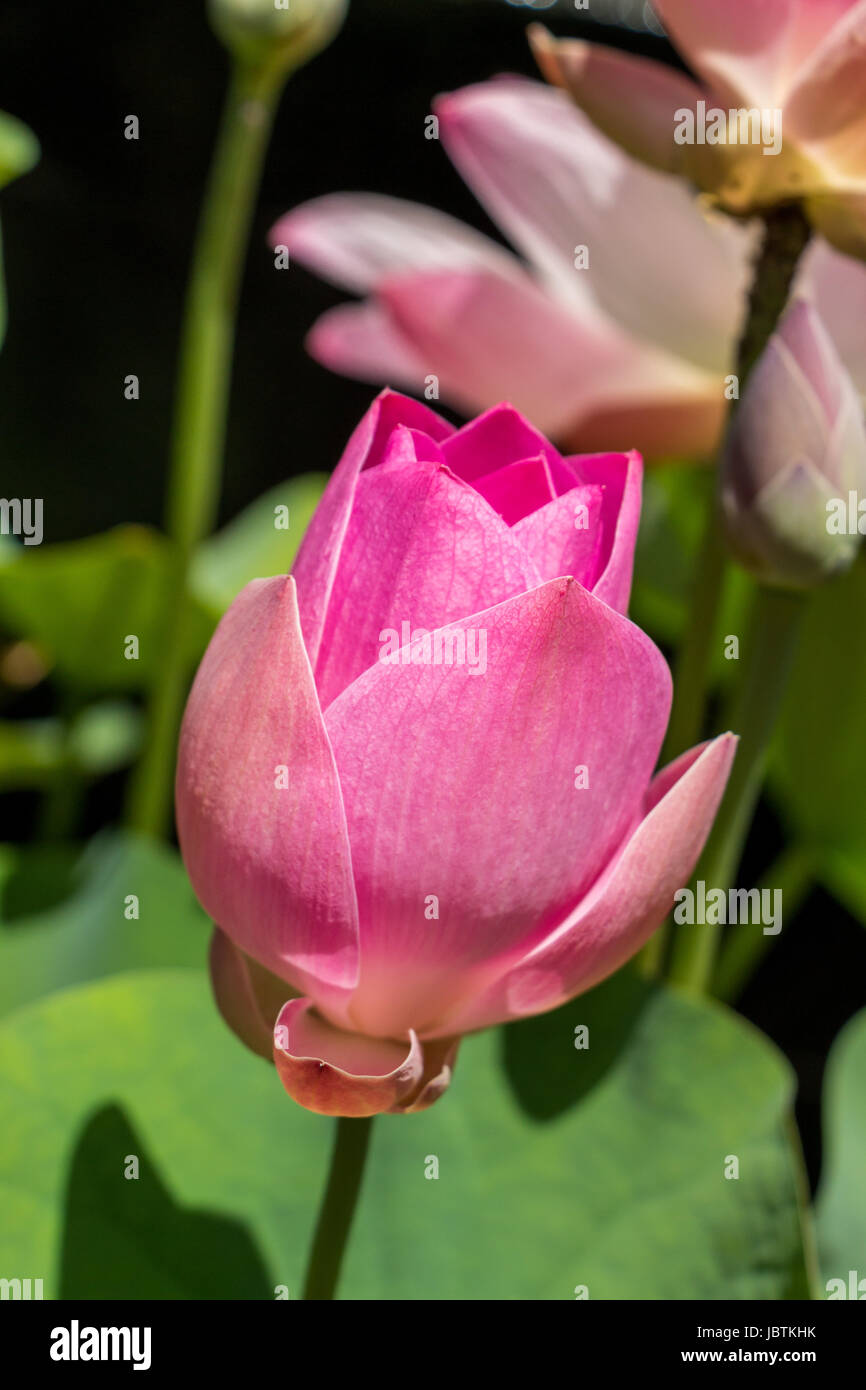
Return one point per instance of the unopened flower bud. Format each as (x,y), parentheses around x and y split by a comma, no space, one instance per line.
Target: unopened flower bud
(19,148)
(796,450)
(287,32)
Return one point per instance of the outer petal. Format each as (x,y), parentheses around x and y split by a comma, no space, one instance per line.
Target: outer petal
(318,556)
(627,903)
(657,265)
(422,547)
(271,864)
(517,343)
(633,100)
(248,996)
(356,239)
(459,783)
(337,1073)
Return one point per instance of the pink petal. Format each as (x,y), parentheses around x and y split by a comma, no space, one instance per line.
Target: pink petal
(336,1073)
(499,436)
(516,343)
(460,783)
(565,537)
(836,285)
(248,996)
(620,476)
(625,905)
(270,864)
(317,559)
(826,106)
(741,48)
(363,341)
(356,239)
(657,266)
(422,548)
(518,489)
(633,100)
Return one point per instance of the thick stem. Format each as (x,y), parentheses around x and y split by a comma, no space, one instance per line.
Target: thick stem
(785,237)
(786,234)
(771,642)
(792,874)
(200,414)
(351,1144)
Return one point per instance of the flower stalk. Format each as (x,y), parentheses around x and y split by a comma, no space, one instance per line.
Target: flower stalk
(201,411)
(786,235)
(348,1159)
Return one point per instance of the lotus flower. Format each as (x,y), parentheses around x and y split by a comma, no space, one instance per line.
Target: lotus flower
(794,457)
(399,841)
(632,349)
(792,71)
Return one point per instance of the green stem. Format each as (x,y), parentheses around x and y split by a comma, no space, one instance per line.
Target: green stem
(201,409)
(785,237)
(793,874)
(351,1144)
(770,650)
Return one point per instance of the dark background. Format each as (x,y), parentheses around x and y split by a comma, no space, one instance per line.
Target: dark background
(97,242)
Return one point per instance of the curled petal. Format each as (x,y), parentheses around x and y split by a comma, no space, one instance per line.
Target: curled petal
(337,1073)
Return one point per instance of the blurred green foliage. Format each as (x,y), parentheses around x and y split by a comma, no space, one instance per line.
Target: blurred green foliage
(841,1213)
(819,771)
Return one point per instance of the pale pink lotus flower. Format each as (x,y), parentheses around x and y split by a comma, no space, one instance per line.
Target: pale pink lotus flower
(632,351)
(800,65)
(399,841)
(629,351)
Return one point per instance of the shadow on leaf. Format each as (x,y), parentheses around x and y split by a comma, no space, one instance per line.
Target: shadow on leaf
(128,1238)
(547,1070)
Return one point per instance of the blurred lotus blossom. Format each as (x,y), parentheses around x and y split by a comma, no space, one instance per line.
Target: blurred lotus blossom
(399,849)
(631,351)
(788,76)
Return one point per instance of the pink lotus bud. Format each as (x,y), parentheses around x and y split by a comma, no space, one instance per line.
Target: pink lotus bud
(796,455)
(415,787)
